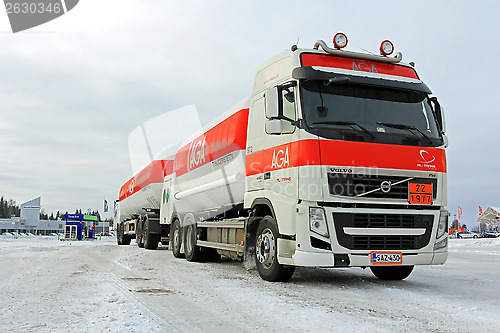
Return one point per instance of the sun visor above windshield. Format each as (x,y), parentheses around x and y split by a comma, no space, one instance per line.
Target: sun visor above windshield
(312,73)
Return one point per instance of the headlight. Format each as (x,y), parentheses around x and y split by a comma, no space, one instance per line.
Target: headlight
(443,223)
(317,221)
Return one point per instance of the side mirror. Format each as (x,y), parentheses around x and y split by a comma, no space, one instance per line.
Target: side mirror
(439,114)
(443,123)
(445,141)
(272,110)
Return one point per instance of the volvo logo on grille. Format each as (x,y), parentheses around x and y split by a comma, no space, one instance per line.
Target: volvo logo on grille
(385,186)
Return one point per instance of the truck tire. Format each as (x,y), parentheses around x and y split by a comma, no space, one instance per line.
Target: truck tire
(138,233)
(119,235)
(266,254)
(191,250)
(392,272)
(150,240)
(125,238)
(121,238)
(176,239)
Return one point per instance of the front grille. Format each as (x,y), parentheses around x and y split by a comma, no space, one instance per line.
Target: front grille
(389,242)
(383,221)
(357,185)
(384,242)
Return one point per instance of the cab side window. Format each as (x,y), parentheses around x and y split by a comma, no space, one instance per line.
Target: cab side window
(288,107)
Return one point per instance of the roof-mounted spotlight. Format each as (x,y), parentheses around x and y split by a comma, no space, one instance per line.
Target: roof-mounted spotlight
(386,48)
(340,40)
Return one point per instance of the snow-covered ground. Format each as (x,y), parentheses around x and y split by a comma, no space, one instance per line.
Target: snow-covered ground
(96,286)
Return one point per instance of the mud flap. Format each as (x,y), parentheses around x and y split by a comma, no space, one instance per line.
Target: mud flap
(286,248)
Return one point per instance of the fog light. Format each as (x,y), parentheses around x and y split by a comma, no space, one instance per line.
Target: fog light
(441,244)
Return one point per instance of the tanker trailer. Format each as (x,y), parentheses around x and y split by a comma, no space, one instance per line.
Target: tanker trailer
(138,207)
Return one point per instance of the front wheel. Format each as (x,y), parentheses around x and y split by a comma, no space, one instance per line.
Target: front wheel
(266,253)
(392,273)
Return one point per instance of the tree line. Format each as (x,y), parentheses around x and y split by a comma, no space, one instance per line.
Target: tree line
(8,208)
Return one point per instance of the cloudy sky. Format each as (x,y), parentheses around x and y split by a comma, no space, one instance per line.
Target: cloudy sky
(73,89)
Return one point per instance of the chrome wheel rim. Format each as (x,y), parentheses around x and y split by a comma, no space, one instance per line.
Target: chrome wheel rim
(176,236)
(265,248)
(189,240)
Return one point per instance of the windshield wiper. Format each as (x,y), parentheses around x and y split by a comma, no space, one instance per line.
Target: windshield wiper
(408,128)
(345,123)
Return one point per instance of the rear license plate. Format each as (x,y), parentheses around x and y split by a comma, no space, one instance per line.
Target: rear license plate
(386,258)
(420,194)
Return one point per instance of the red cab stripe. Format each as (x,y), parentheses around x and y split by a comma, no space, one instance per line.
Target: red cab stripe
(345,153)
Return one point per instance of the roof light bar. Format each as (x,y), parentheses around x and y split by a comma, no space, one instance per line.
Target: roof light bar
(340,40)
(386,48)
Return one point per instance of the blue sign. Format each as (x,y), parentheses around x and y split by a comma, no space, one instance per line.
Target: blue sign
(78,217)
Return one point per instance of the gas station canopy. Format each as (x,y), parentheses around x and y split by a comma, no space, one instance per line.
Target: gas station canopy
(491,216)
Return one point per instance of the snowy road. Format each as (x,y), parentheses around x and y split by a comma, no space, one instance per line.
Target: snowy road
(97,286)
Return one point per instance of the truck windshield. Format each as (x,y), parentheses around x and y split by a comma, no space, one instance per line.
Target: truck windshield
(368,113)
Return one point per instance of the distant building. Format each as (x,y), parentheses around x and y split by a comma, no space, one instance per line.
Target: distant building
(29,221)
(30,213)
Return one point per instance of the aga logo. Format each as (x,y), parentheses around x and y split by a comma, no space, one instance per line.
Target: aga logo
(280,159)
(364,67)
(197,153)
(26,14)
(131,186)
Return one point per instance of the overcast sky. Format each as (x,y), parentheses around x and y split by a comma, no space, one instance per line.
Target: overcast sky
(73,89)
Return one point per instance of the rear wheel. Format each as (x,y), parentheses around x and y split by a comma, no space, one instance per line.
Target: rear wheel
(190,248)
(138,233)
(150,240)
(175,239)
(125,238)
(392,273)
(119,234)
(266,254)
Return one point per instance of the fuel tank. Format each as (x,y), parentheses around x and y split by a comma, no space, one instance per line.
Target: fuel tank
(143,190)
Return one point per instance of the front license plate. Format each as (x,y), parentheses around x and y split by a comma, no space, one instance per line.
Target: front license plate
(420,194)
(386,258)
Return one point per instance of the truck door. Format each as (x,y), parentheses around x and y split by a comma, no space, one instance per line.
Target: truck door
(270,149)
(280,174)
(165,202)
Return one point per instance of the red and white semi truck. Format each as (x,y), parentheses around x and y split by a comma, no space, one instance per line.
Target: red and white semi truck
(338,160)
